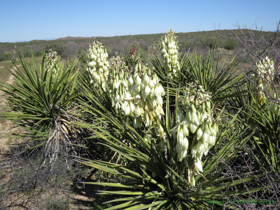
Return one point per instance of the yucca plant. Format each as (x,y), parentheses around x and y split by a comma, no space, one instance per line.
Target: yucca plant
(133,55)
(261,115)
(266,139)
(261,112)
(39,102)
(154,176)
(174,69)
(172,159)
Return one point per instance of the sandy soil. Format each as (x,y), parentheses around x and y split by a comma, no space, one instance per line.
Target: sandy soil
(7,126)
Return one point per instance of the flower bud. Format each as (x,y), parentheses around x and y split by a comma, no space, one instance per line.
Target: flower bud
(132,107)
(146,79)
(191,179)
(198,165)
(137,80)
(193,127)
(126,108)
(147,90)
(130,80)
(159,110)
(212,140)
(180,134)
(205,137)
(199,134)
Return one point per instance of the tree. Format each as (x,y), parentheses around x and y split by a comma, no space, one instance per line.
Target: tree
(55,47)
(10,56)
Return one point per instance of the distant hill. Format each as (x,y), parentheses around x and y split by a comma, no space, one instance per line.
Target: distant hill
(72,38)
(201,41)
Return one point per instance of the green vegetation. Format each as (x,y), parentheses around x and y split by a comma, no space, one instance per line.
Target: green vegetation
(70,46)
(166,123)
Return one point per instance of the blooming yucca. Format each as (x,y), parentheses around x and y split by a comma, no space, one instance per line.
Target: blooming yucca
(195,130)
(169,52)
(263,76)
(53,62)
(98,64)
(139,95)
(118,84)
(146,86)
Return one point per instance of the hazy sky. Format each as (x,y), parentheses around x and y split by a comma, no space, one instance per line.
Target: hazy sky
(25,20)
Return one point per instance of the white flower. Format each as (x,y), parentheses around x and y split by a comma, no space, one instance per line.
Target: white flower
(159,110)
(92,63)
(137,96)
(147,90)
(159,100)
(117,97)
(132,107)
(163,51)
(205,137)
(193,127)
(185,143)
(93,56)
(191,178)
(137,80)
(185,129)
(137,111)
(198,165)
(130,80)
(212,140)
(146,79)
(199,133)
(180,116)
(116,84)
(126,108)
(180,134)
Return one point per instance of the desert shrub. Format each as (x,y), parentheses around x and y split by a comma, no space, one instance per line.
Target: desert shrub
(2,57)
(189,45)
(9,56)
(38,54)
(230,44)
(24,52)
(55,47)
(210,43)
(82,56)
(171,158)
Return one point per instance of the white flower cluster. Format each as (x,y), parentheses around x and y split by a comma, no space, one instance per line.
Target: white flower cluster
(117,82)
(195,130)
(146,85)
(266,69)
(98,65)
(53,62)
(169,52)
(139,95)
(264,74)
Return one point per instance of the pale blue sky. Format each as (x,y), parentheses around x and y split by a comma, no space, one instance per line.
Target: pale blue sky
(25,20)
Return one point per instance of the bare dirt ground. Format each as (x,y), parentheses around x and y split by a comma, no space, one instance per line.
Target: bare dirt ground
(6,126)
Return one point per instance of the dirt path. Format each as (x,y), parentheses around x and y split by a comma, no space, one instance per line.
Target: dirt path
(5,125)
